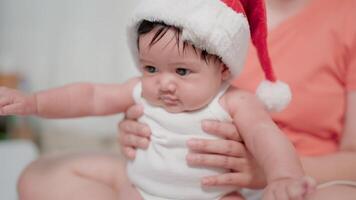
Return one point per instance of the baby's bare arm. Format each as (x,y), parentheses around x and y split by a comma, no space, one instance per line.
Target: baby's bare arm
(271,148)
(74,100)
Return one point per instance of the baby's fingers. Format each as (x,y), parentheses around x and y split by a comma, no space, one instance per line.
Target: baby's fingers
(12,109)
(301,189)
(4,100)
(296,192)
(223,129)
(276,193)
(309,184)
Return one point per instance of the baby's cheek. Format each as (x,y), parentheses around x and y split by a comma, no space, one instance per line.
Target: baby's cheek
(149,93)
(197,100)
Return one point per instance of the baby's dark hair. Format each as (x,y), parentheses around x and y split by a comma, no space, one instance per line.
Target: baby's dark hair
(147,26)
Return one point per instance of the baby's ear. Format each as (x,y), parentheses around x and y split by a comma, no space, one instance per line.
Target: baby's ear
(225,72)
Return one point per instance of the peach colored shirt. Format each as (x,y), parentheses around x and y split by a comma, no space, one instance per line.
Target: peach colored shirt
(315,53)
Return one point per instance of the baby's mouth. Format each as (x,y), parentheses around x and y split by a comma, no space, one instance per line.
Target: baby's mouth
(169,100)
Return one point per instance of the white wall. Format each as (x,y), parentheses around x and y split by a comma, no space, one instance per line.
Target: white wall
(54,42)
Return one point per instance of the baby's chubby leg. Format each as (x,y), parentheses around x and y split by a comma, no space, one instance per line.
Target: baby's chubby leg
(75,177)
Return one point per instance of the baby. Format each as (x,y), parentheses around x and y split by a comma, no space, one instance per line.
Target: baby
(187,51)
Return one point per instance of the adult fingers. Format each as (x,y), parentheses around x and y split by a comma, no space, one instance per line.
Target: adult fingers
(131,140)
(224,147)
(127,127)
(219,161)
(134,112)
(222,129)
(228,179)
(129,152)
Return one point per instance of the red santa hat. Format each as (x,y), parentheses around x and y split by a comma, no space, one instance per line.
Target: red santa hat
(223,28)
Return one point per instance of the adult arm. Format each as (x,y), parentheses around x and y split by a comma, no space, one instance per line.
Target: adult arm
(341,164)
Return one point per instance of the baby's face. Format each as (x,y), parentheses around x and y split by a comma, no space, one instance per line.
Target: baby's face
(177,80)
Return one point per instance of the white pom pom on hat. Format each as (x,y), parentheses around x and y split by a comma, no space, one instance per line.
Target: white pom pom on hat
(275,95)
(222,28)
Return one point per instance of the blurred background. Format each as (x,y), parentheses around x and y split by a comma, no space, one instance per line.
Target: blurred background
(48,43)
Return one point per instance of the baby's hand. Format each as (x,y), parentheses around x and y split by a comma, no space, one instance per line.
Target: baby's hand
(14,102)
(289,189)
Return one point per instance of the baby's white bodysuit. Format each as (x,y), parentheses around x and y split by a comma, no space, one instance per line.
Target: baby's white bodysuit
(161,171)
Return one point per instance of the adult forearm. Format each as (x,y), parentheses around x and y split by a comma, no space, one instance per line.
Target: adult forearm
(336,166)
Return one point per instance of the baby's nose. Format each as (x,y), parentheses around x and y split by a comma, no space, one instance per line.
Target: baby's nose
(167,84)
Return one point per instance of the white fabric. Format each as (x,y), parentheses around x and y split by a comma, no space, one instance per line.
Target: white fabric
(161,171)
(274,95)
(251,194)
(209,25)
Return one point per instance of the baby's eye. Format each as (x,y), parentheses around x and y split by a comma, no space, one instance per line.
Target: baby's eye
(182,71)
(150,69)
